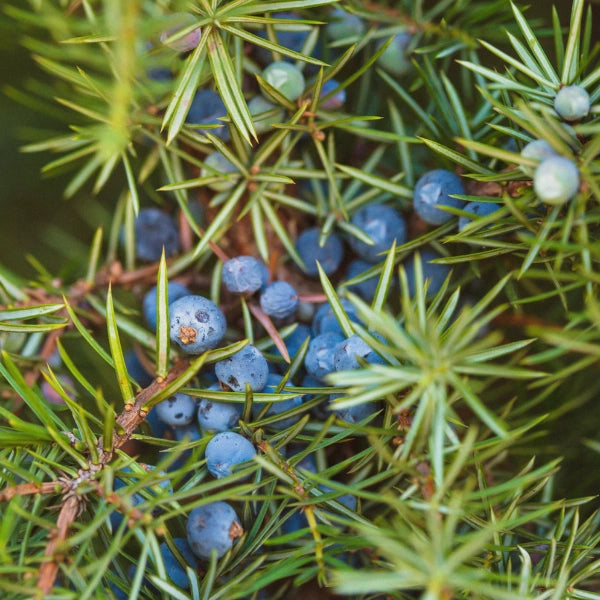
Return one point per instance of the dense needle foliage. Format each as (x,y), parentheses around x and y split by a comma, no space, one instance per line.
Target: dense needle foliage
(474,473)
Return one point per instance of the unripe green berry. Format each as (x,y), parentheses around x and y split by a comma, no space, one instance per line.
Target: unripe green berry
(286,78)
(572,103)
(538,150)
(219,163)
(556,180)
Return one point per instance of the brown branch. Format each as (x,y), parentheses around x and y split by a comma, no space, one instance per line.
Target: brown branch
(69,511)
(131,417)
(29,489)
(134,414)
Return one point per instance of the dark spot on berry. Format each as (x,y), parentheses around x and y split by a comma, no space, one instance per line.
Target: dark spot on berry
(179,415)
(202,316)
(232,381)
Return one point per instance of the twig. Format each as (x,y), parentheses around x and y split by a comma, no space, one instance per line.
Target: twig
(266,322)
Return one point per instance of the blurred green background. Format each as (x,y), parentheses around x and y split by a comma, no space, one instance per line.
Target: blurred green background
(34,211)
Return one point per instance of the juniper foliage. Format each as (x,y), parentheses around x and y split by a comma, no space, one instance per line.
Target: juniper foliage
(488,385)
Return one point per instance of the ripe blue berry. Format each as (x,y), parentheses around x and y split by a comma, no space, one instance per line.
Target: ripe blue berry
(176,22)
(347,500)
(218,416)
(226,450)
(325,320)
(383,225)
(538,150)
(337,100)
(196,324)
(556,180)
(187,433)
(329,255)
(175,291)
(344,25)
(294,341)
(248,366)
(432,191)
(153,230)
(217,164)
(365,289)
(286,78)
(207,108)
(279,299)
(287,35)
(395,58)
(277,408)
(264,114)
(175,570)
(244,274)
(346,352)
(318,361)
(353,414)
(572,103)
(136,370)
(433,273)
(477,209)
(137,498)
(214,526)
(178,410)
(295,522)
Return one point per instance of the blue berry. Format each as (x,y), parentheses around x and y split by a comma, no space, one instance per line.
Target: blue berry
(213,526)
(248,366)
(394,58)
(160,74)
(294,341)
(196,324)
(353,414)
(188,432)
(219,164)
(383,225)
(434,273)
(329,255)
(287,35)
(115,517)
(175,291)
(572,103)
(295,522)
(433,191)
(325,320)
(318,361)
(344,25)
(175,570)
(226,450)
(265,114)
(538,150)
(277,408)
(365,289)
(279,299)
(347,500)
(177,410)
(344,357)
(218,416)
(207,108)
(176,22)
(244,274)
(337,100)
(477,209)
(286,78)
(153,230)
(556,180)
